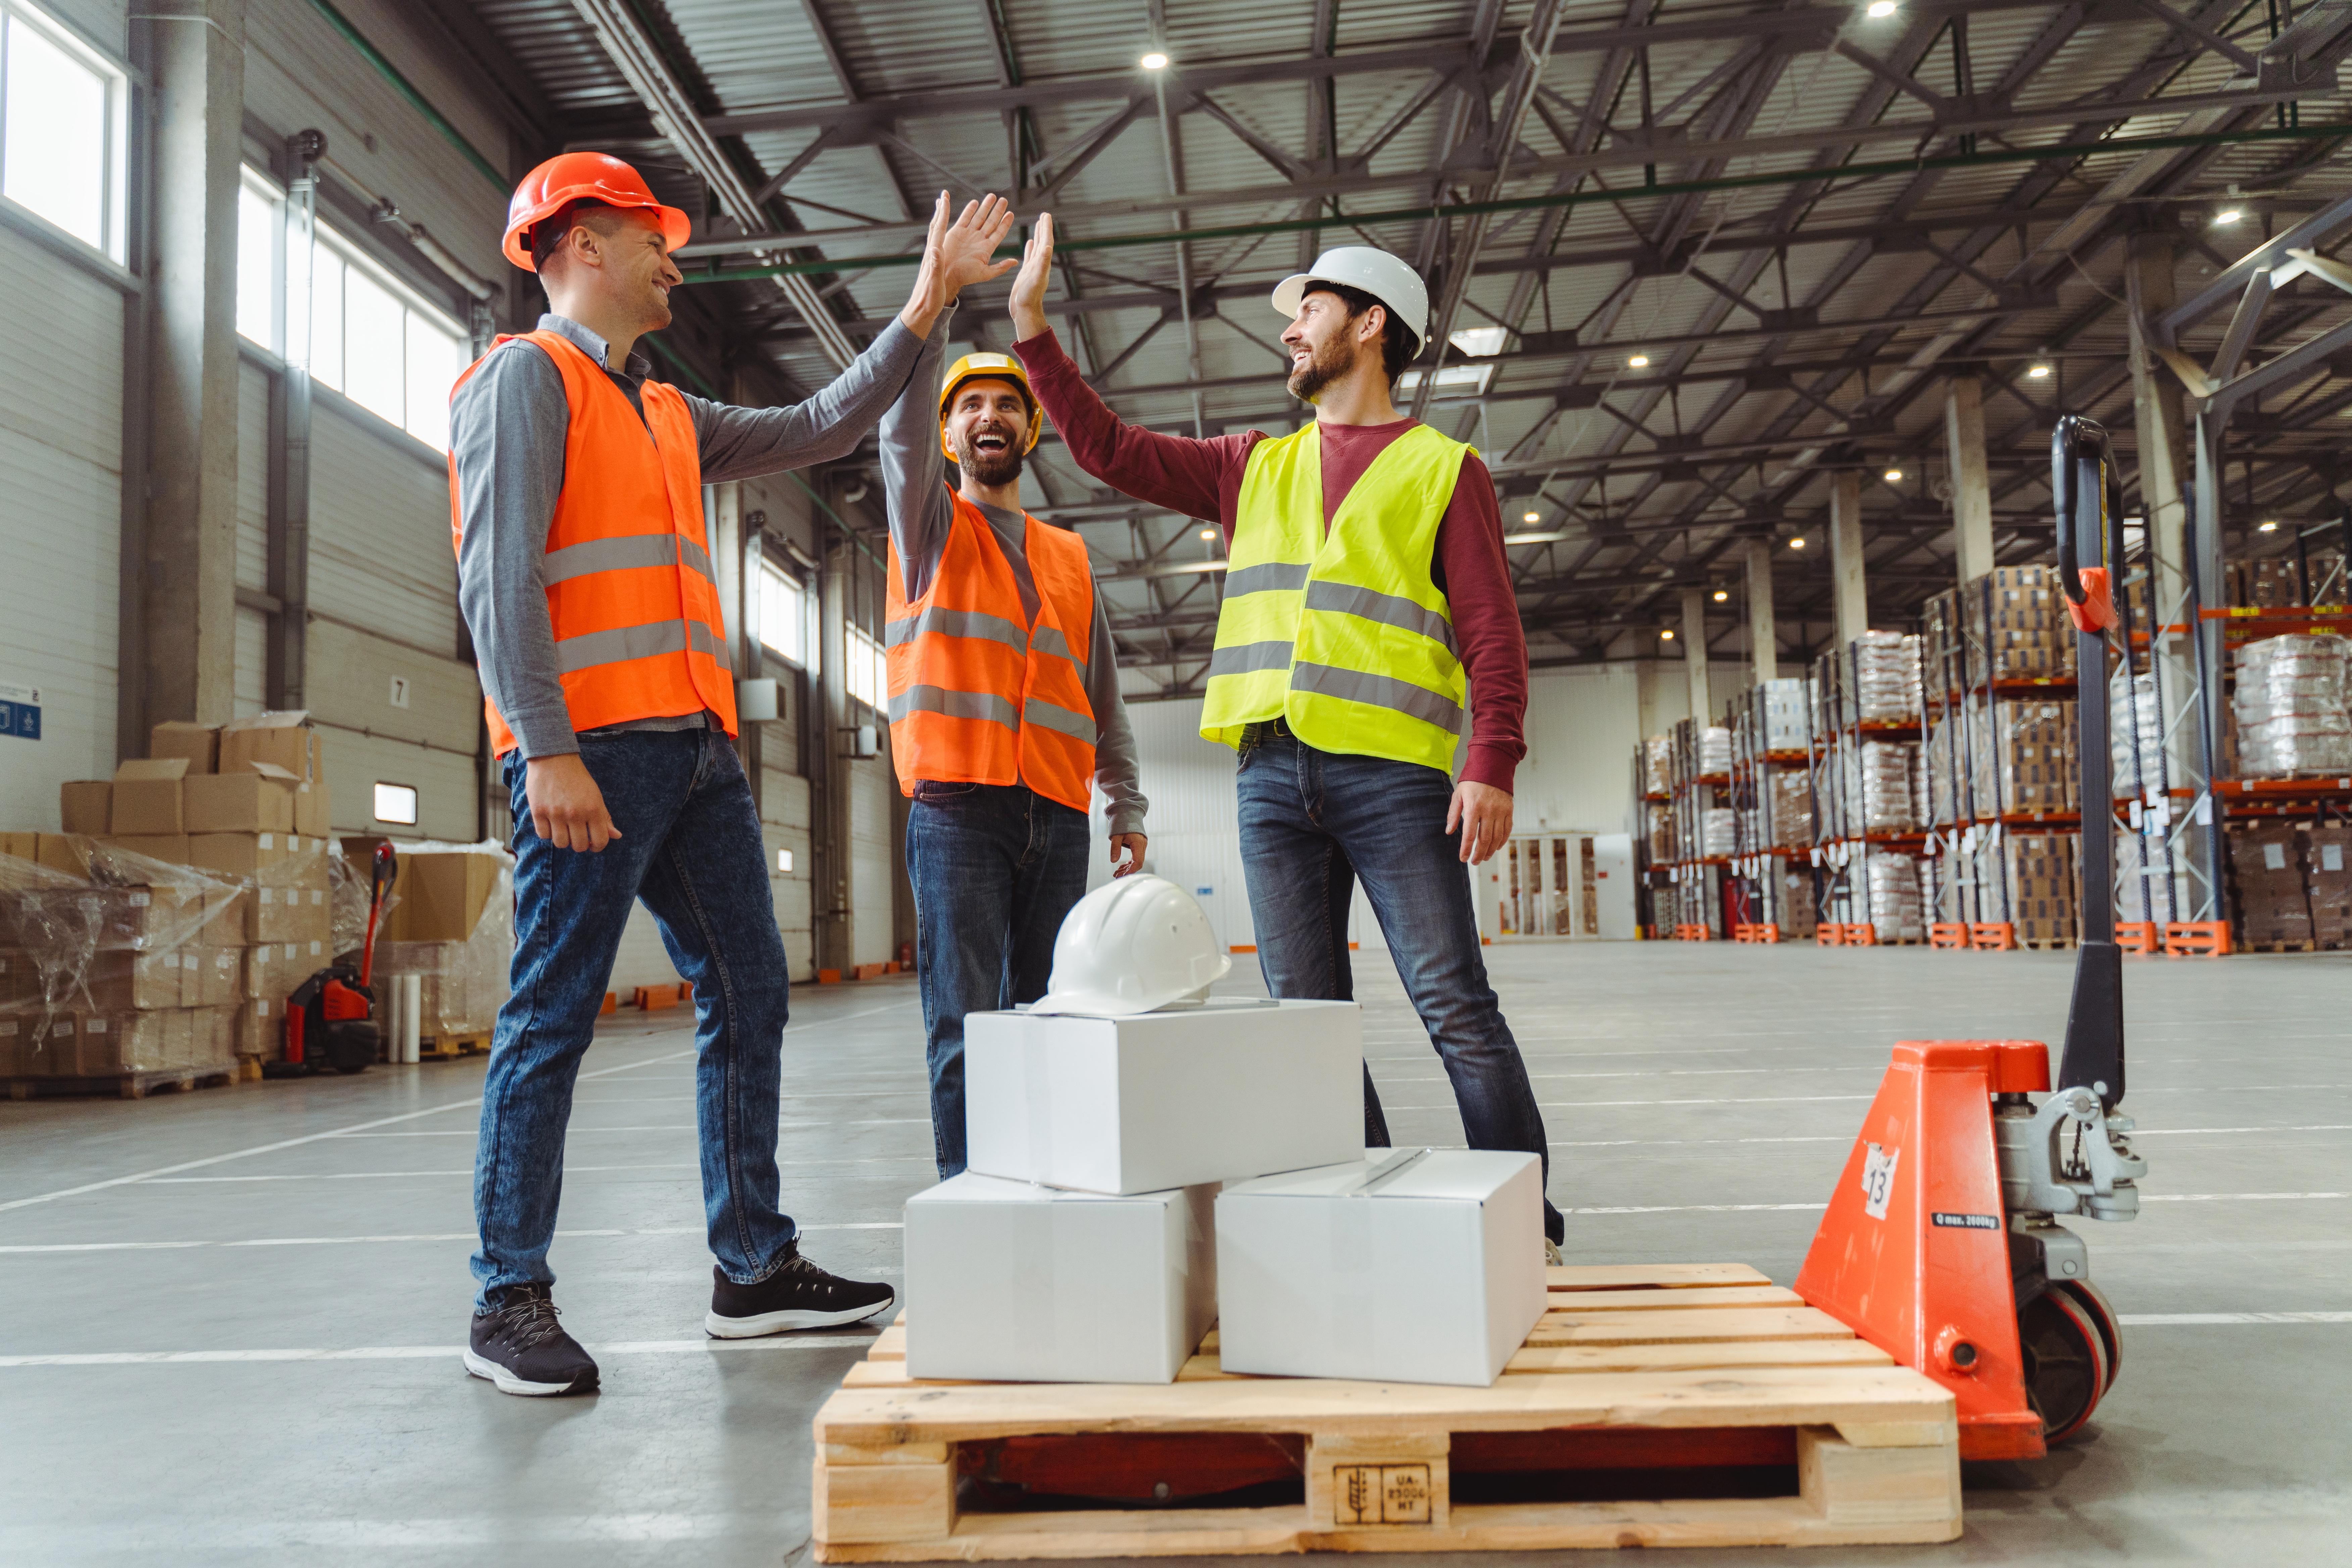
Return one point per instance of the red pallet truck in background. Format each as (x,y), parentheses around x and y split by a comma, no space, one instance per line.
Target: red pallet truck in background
(330,1017)
(1942,1245)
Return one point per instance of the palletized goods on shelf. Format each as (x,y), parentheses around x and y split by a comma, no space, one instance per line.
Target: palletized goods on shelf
(1658,764)
(2266,865)
(1886,671)
(1715,750)
(1876,788)
(1792,809)
(1895,909)
(2135,735)
(2024,760)
(1717,827)
(1787,703)
(2291,704)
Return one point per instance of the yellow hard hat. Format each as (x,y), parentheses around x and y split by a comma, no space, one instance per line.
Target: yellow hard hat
(990,367)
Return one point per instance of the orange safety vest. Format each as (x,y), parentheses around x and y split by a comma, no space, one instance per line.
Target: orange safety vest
(630,592)
(979,694)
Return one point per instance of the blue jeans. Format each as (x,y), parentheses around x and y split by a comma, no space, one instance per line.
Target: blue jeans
(1312,824)
(690,848)
(995,867)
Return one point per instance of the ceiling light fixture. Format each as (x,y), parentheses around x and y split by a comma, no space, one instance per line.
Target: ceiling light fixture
(1639,362)
(1153,61)
(2267,527)
(1881,9)
(2037,371)
(1666,636)
(1721,595)
(2228,214)
(1531,516)
(1208,534)
(1796,544)
(1893,476)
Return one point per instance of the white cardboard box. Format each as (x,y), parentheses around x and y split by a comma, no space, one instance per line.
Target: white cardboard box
(1009,1280)
(1414,1265)
(1232,1089)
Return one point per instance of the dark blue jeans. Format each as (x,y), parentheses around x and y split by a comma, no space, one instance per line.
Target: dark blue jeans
(690,848)
(1312,823)
(995,867)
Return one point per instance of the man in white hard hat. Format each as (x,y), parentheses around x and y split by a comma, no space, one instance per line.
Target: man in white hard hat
(1368,613)
(1005,712)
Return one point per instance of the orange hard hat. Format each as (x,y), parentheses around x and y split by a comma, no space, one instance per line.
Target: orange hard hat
(583,177)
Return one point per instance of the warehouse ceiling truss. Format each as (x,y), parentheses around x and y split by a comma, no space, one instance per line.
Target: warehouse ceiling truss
(1687,262)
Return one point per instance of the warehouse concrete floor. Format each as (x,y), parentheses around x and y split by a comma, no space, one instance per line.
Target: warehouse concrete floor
(159,1261)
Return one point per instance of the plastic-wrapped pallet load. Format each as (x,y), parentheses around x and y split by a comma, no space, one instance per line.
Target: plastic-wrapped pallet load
(1792,809)
(452,925)
(1878,779)
(2023,758)
(1719,827)
(1662,833)
(2142,897)
(1787,708)
(113,964)
(1797,916)
(2017,628)
(2291,710)
(2132,715)
(2266,864)
(1713,751)
(2041,871)
(1886,677)
(2327,872)
(1895,907)
(1658,764)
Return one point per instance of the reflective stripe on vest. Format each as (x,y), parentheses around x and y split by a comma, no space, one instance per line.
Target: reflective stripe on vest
(1344,633)
(631,597)
(978,693)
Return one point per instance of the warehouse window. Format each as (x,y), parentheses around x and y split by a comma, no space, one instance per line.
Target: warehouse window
(63,128)
(396,803)
(783,613)
(365,334)
(868,675)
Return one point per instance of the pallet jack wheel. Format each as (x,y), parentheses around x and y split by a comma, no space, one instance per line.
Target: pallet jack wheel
(2065,1362)
(2095,1306)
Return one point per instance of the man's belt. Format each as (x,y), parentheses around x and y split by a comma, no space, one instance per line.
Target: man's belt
(1264,730)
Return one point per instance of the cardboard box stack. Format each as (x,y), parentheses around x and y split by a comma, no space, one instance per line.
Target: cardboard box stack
(1876,788)
(2277,583)
(2292,701)
(1895,908)
(1884,666)
(2043,871)
(1658,764)
(1798,918)
(2267,869)
(450,921)
(2019,620)
(1661,823)
(2327,871)
(244,804)
(1788,708)
(2025,758)
(1088,1241)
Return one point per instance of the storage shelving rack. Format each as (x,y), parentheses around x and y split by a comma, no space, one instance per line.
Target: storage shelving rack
(1758,852)
(1843,840)
(1695,875)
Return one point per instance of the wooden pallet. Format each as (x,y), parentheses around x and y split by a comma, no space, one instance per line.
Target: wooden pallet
(1692,1405)
(2278,947)
(449,1047)
(125,1085)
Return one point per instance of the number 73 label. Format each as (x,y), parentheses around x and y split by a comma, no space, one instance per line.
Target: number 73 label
(1877,1178)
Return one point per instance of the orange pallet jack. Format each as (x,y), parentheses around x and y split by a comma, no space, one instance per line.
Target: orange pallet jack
(1942,1245)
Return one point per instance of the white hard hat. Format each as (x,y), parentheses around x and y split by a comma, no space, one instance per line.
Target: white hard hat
(1384,277)
(1132,945)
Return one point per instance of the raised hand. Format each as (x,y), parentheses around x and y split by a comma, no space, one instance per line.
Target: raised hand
(1028,302)
(966,247)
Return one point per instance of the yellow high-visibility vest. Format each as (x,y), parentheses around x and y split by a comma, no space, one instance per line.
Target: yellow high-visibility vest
(1346,635)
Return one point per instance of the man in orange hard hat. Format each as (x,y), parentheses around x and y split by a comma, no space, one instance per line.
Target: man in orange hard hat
(1005,712)
(575,504)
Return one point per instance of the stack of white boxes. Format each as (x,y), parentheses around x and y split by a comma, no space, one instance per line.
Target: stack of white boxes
(1088,1240)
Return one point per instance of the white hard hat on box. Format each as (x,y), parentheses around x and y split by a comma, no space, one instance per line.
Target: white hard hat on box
(1384,277)
(1131,946)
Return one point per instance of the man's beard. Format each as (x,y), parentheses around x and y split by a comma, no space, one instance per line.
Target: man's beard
(1327,364)
(991,469)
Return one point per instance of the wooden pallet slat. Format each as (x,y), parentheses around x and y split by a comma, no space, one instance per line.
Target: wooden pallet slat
(1633,1370)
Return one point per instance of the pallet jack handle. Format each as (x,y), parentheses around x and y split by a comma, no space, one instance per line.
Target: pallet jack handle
(381,869)
(2088,490)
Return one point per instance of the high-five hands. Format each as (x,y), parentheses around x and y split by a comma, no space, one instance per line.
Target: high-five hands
(1028,302)
(956,254)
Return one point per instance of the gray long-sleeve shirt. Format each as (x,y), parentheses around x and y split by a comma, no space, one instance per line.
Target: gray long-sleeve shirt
(922,510)
(507,430)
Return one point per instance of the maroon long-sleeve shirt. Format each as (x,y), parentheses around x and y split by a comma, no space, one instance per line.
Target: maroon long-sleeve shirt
(1204,479)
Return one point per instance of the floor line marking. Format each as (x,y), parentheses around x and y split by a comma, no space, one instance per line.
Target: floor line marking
(419,1236)
(2176,1319)
(421,1352)
(385,1121)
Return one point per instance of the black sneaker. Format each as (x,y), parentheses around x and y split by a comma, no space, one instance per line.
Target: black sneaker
(519,1346)
(799,1295)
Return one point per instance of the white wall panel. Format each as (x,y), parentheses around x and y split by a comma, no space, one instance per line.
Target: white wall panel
(380,553)
(348,681)
(356,762)
(61,524)
(252,477)
(785,826)
(252,693)
(642,960)
(102,22)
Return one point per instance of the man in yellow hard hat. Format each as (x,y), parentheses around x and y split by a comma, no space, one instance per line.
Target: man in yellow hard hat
(1005,712)
(575,503)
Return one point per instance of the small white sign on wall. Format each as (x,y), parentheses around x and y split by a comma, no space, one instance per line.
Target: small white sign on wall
(399,692)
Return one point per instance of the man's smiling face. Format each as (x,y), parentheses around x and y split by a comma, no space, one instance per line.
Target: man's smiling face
(988,420)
